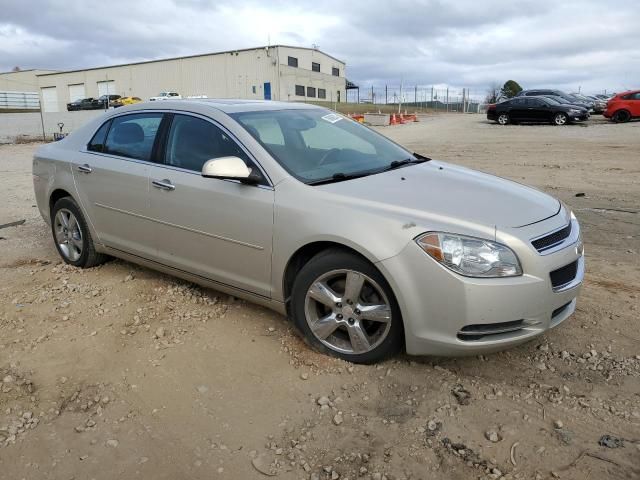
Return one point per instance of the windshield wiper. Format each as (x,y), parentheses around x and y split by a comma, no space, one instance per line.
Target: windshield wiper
(407,161)
(338,177)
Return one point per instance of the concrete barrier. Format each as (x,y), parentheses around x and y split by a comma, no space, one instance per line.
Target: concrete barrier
(377,119)
(26,126)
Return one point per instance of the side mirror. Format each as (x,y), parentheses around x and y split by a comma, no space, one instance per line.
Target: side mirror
(232,168)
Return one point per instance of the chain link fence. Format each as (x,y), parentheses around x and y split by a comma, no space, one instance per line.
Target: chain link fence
(419,98)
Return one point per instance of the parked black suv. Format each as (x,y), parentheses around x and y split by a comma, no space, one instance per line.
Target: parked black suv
(81,104)
(555,93)
(535,110)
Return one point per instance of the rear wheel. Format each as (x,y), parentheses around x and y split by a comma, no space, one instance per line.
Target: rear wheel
(503,119)
(71,235)
(560,118)
(621,116)
(344,307)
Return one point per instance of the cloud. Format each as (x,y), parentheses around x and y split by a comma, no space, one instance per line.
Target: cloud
(467,43)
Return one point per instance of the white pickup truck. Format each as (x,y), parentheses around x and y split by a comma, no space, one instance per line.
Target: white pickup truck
(166,96)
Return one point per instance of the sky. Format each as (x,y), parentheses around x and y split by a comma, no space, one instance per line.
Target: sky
(591,45)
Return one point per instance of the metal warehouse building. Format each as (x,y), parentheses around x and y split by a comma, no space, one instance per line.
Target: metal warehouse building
(275,72)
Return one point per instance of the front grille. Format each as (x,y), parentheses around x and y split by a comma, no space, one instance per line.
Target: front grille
(564,275)
(551,240)
(481,330)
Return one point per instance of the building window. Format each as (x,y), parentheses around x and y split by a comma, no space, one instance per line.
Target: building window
(299,91)
(335,72)
(322,93)
(315,66)
(292,62)
(253,89)
(311,92)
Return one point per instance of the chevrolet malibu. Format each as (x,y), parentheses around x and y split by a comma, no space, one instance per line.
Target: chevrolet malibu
(367,247)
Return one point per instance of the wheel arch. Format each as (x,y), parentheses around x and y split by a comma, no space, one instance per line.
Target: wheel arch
(56,195)
(622,109)
(306,252)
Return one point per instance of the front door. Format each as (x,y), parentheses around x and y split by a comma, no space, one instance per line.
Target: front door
(267,90)
(219,229)
(112,181)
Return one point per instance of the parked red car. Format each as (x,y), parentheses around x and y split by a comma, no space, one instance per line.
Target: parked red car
(623,107)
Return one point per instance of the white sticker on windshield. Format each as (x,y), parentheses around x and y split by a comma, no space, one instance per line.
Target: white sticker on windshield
(332,118)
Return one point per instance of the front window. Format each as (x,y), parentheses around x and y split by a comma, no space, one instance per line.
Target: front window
(292,62)
(317,144)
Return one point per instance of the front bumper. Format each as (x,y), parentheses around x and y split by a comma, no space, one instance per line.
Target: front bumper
(447,314)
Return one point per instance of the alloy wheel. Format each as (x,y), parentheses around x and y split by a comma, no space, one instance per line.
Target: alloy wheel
(560,119)
(503,119)
(68,234)
(348,311)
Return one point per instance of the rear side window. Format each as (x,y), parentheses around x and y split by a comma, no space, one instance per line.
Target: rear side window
(97,142)
(193,141)
(132,136)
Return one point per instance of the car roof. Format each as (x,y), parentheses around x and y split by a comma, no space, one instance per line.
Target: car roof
(226,105)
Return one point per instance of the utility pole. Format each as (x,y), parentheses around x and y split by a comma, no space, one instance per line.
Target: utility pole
(386,96)
(400,99)
(447,99)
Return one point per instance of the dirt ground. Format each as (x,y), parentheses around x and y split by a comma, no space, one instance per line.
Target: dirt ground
(121,372)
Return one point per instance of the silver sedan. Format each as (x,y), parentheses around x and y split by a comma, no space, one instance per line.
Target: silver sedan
(367,247)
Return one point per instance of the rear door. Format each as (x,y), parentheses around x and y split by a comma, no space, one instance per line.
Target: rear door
(112,178)
(517,109)
(219,229)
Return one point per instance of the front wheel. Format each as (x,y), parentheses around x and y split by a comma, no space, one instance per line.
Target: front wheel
(560,118)
(503,118)
(344,307)
(71,235)
(621,116)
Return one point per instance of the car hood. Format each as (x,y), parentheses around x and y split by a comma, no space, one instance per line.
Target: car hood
(449,192)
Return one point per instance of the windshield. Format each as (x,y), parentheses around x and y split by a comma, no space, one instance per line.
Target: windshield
(317,144)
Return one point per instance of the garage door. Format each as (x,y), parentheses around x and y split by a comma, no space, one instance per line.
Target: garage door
(106,88)
(49,99)
(76,92)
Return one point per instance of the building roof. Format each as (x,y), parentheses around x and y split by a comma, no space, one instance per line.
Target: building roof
(30,70)
(55,72)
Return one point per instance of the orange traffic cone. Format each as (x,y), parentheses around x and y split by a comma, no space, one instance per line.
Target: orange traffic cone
(394,120)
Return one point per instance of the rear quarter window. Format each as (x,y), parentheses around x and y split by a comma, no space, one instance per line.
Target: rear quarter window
(97,142)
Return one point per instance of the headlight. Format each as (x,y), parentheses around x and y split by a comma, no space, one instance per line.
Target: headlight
(469,256)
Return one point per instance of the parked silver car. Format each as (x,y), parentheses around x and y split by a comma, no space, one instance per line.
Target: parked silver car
(366,246)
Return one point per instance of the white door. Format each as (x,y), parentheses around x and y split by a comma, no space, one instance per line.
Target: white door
(49,99)
(107,87)
(76,92)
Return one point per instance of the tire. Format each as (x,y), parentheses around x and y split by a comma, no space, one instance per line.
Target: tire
(72,236)
(560,119)
(621,116)
(363,325)
(503,119)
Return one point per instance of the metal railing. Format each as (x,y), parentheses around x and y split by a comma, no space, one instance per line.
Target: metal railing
(20,101)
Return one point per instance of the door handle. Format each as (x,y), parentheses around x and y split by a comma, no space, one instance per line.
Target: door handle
(163,184)
(84,168)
